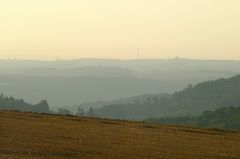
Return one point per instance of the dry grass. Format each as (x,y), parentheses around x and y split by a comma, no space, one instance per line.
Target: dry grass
(41,136)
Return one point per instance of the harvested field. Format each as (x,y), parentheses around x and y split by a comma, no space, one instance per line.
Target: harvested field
(42,136)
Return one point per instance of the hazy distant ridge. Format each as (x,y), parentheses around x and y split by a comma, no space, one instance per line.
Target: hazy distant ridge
(72,82)
(193,100)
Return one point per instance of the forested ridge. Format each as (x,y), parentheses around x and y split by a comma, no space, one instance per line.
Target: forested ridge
(193,100)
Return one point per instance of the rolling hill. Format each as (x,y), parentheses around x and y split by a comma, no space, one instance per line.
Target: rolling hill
(43,136)
(191,101)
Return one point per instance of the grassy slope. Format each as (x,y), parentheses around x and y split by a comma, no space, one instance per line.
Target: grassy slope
(27,136)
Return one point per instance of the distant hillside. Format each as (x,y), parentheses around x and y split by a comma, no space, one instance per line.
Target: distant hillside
(91,71)
(193,100)
(10,103)
(123,101)
(228,118)
(60,90)
(72,82)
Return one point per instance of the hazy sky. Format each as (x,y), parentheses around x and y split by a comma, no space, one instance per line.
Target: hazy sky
(47,29)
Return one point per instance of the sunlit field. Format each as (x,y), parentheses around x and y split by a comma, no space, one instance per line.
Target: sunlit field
(35,136)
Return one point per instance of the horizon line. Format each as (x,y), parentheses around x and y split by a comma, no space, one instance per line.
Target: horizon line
(116,59)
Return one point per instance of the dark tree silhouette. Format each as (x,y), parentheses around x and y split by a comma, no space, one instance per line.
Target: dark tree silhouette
(10,103)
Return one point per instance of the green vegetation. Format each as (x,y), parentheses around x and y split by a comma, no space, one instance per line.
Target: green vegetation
(10,103)
(228,118)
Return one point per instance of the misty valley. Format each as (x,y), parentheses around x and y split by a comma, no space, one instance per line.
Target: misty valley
(122,89)
(70,108)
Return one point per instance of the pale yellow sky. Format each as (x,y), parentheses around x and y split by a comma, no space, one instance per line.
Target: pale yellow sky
(47,29)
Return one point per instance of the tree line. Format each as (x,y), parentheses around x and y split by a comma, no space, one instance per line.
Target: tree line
(10,103)
(228,118)
(80,112)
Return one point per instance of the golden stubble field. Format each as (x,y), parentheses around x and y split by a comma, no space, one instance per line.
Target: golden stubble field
(42,136)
